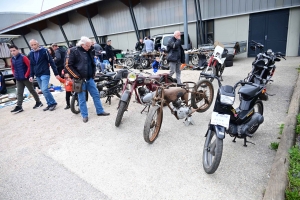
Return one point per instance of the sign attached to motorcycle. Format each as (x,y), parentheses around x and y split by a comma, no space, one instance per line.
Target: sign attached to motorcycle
(220,119)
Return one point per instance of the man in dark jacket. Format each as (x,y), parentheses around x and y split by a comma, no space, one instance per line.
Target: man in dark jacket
(39,66)
(80,65)
(110,54)
(139,45)
(20,67)
(175,55)
(59,58)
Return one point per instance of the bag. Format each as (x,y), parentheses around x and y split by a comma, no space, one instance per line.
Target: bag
(77,85)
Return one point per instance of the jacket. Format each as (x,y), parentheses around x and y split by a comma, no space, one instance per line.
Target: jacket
(39,63)
(20,67)
(77,62)
(139,46)
(175,51)
(109,52)
(60,55)
(68,84)
(149,45)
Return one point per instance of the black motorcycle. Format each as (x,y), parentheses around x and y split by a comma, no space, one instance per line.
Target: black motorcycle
(241,122)
(263,67)
(108,85)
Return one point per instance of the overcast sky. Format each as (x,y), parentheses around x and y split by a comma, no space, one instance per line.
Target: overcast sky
(32,6)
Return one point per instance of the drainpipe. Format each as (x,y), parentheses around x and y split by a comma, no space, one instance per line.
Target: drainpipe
(186,34)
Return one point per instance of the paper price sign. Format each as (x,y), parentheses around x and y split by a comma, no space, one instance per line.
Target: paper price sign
(220,119)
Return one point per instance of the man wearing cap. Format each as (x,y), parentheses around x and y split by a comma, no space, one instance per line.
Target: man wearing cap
(110,54)
(59,58)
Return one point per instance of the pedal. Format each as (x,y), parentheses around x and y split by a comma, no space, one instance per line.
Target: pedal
(189,121)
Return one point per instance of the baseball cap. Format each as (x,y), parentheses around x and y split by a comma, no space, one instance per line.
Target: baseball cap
(54,44)
(108,40)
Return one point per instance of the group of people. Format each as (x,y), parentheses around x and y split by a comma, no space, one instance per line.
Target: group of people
(76,63)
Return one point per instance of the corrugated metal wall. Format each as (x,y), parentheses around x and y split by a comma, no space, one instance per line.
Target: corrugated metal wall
(223,8)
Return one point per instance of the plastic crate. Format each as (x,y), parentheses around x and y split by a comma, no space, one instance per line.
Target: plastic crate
(119,55)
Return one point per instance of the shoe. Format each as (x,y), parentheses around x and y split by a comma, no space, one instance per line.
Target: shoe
(37,105)
(103,114)
(47,108)
(52,107)
(67,107)
(17,109)
(85,119)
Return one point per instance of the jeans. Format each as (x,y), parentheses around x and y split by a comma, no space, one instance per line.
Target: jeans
(43,82)
(175,67)
(90,86)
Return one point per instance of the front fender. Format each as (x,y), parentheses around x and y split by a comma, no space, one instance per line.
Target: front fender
(125,96)
(220,131)
(219,60)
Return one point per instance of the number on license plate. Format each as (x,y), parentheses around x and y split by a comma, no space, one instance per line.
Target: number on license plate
(220,119)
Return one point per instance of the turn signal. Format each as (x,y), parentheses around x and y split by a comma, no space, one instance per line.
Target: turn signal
(264,90)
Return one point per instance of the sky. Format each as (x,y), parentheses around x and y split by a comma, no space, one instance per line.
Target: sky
(31,6)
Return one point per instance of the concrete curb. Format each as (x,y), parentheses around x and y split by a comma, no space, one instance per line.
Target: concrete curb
(277,183)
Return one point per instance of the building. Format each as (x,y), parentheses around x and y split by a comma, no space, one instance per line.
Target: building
(275,23)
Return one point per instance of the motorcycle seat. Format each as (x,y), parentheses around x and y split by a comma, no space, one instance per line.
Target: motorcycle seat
(249,90)
(156,77)
(109,74)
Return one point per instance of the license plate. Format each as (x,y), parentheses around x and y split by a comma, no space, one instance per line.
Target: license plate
(7,72)
(220,119)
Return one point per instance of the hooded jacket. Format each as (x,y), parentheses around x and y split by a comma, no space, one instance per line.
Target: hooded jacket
(39,63)
(20,67)
(60,55)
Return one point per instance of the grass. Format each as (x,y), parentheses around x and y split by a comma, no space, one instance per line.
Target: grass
(281,128)
(274,145)
(293,190)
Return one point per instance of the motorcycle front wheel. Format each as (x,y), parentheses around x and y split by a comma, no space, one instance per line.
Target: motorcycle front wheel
(212,152)
(203,95)
(119,89)
(75,104)
(121,110)
(153,124)
(259,108)
(209,70)
(129,62)
(195,59)
(220,69)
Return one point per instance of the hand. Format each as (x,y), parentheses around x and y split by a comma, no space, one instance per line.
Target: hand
(109,60)
(31,79)
(57,77)
(114,58)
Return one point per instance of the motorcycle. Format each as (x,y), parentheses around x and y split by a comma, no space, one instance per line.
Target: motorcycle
(263,67)
(241,122)
(180,105)
(108,85)
(216,62)
(143,88)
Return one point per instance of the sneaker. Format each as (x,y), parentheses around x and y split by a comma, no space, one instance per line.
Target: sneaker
(67,107)
(37,105)
(17,109)
(52,107)
(85,119)
(47,108)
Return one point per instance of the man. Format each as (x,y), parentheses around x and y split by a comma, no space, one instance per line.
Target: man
(39,66)
(80,65)
(110,54)
(20,67)
(149,45)
(98,49)
(139,45)
(59,58)
(175,55)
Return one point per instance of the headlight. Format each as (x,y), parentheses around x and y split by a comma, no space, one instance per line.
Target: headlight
(227,99)
(131,76)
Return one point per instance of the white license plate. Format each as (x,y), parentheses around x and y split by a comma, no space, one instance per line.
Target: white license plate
(220,119)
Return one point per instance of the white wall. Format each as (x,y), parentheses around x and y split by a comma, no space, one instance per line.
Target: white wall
(123,41)
(293,32)
(232,29)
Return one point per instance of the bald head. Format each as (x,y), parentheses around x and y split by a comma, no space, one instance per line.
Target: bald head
(177,35)
(34,44)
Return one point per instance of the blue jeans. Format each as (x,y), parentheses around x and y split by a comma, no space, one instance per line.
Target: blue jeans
(90,86)
(43,82)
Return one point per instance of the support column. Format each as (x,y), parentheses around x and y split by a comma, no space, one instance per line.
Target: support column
(62,30)
(197,23)
(186,36)
(133,20)
(25,39)
(42,36)
(92,26)
(200,23)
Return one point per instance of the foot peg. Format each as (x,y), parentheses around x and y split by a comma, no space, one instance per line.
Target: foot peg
(189,121)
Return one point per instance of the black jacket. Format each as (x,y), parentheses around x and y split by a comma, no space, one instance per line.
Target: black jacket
(77,63)
(109,52)
(60,55)
(139,46)
(175,51)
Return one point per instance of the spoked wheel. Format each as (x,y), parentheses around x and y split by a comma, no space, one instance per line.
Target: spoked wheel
(75,104)
(153,124)
(121,110)
(203,95)
(195,59)
(129,62)
(259,108)
(208,70)
(212,152)
(145,63)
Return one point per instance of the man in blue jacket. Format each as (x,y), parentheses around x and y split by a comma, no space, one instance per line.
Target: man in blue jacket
(39,67)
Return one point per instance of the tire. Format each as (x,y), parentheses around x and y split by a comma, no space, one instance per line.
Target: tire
(119,89)
(195,59)
(165,62)
(258,107)
(153,124)
(129,62)
(206,98)
(209,70)
(220,69)
(121,110)
(75,104)
(145,63)
(212,152)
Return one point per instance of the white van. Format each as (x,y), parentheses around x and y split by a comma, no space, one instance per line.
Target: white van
(161,41)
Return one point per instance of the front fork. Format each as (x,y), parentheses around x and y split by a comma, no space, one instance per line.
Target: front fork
(219,130)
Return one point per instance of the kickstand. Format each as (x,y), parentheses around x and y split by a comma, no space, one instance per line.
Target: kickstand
(189,121)
(108,100)
(148,106)
(234,139)
(246,141)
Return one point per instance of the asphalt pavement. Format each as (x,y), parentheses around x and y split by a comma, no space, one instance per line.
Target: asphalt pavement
(54,155)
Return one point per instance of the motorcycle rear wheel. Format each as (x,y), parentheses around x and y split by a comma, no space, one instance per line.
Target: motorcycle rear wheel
(206,98)
(153,124)
(212,152)
(209,70)
(121,110)
(258,107)
(129,62)
(75,104)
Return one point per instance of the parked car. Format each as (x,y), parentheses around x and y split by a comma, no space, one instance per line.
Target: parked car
(161,40)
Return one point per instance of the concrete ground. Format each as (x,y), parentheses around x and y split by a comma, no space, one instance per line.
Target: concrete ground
(54,155)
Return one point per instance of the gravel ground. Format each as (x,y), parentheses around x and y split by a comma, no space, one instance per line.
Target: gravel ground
(54,155)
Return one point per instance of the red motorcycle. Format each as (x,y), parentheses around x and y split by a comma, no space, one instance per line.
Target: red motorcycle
(144,88)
